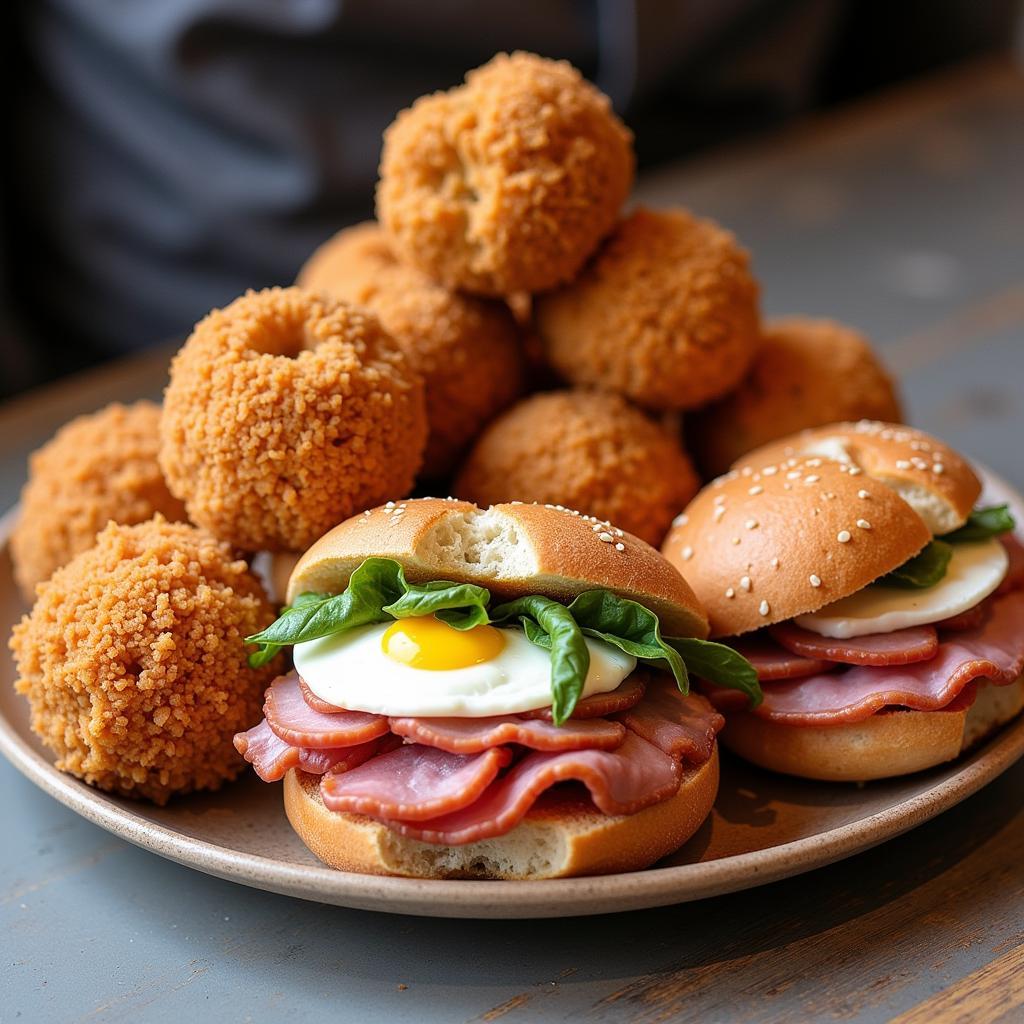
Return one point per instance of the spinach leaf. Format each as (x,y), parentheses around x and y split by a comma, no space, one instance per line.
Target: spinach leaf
(925,569)
(461,605)
(570,659)
(718,664)
(983,523)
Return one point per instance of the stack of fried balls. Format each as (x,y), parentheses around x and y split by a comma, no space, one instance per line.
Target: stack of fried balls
(504,331)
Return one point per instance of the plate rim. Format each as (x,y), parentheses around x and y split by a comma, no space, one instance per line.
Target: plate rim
(452,898)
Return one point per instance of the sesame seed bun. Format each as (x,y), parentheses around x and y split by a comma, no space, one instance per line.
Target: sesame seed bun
(513,550)
(935,480)
(761,546)
(563,835)
(883,746)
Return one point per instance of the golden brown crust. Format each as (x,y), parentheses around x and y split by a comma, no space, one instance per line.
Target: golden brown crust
(883,746)
(285,413)
(134,664)
(583,840)
(591,451)
(95,469)
(506,183)
(512,549)
(901,457)
(467,349)
(807,373)
(666,313)
(764,545)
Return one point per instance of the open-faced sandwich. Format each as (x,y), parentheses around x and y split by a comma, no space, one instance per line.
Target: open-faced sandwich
(882,607)
(497,693)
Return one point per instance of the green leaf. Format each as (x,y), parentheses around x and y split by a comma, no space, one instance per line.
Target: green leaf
(570,659)
(718,664)
(983,523)
(925,569)
(461,605)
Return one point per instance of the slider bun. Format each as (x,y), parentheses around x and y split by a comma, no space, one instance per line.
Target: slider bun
(901,457)
(883,746)
(780,526)
(513,550)
(563,835)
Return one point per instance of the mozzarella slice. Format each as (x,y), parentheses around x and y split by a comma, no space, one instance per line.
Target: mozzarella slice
(974,572)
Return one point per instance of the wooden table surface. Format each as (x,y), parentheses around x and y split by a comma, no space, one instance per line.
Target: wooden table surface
(905,217)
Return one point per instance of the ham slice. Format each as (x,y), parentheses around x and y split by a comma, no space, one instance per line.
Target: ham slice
(683,726)
(270,756)
(600,705)
(295,722)
(771,661)
(622,781)
(1014,579)
(970,619)
(337,759)
(413,782)
(992,651)
(902,647)
(472,735)
(315,702)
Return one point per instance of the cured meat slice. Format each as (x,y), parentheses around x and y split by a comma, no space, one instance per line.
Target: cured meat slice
(270,756)
(315,702)
(295,722)
(600,705)
(902,647)
(471,735)
(1014,579)
(993,651)
(413,782)
(336,759)
(970,619)
(621,781)
(771,661)
(683,726)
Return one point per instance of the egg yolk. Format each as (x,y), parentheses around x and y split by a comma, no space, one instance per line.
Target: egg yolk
(429,643)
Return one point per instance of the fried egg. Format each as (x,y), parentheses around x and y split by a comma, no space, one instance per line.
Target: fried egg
(424,667)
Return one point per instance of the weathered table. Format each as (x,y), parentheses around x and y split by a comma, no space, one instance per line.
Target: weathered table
(905,217)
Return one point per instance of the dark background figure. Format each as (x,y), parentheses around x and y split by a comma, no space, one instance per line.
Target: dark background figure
(163,157)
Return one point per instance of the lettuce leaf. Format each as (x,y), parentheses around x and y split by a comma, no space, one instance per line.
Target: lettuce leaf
(982,523)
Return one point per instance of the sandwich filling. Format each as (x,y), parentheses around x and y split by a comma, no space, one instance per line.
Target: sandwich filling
(446,716)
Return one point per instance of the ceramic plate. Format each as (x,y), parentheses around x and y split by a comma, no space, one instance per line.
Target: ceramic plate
(764,827)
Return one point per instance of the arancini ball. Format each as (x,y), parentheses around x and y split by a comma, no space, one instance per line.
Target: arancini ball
(467,349)
(807,373)
(587,450)
(506,183)
(666,313)
(97,468)
(133,660)
(286,413)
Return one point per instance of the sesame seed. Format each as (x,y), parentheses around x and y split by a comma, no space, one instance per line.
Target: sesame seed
(620,546)
(902,464)
(775,563)
(735,540)
(812,479)
(844,536)
(606,537)
(719,512)
(764,608)
(687,553)
(855,471)
(596,527)
(814,463)
(770,470)
(938,468)
(863,524)
(681,520)
(389,504)
(730,593)
(756,489)
(745,583)
(793,474)
(815,580)
(863,494)
(787,487)
(746,471)
(719,499)
(751,524)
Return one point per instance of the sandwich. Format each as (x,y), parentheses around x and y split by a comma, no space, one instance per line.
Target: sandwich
(490,693)
(881,605)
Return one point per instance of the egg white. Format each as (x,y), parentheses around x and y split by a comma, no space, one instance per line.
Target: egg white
(975,571)
(351,670)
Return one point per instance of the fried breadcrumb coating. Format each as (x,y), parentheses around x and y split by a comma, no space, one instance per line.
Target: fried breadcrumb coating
(133,662)
(586,450)
(506,183)
(665,314)
(286,413)
(467,349)
(806,374)
(96,468)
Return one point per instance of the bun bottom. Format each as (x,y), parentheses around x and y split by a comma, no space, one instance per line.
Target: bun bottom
(563,835)
(881,747)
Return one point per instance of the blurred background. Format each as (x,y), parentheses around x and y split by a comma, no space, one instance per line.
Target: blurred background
(163,157)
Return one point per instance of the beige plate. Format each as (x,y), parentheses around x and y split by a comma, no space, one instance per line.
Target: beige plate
(764,827)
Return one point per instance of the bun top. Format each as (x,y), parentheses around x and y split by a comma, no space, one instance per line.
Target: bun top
(512,549)
(761,545)
(934,480)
